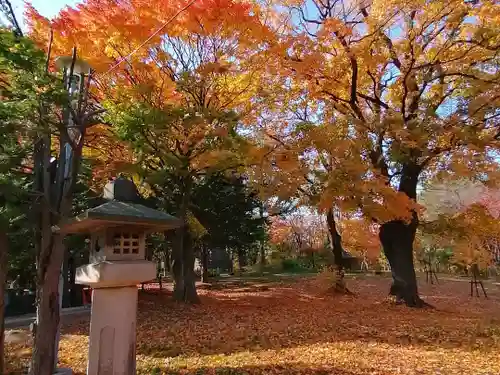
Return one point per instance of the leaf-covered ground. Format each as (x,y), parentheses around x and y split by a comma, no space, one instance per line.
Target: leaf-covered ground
(294,327)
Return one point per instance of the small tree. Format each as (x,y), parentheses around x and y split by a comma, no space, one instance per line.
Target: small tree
(174,148)
(20,63)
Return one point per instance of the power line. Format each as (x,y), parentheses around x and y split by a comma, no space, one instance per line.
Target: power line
(150,37)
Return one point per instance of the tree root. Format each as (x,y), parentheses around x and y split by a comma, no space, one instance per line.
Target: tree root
(340,288)
(417,302)
(423,305)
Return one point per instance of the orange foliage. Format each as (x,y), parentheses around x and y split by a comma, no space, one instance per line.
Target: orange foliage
(207,49)
(463,215)
(361,238)
(364,92)
(110,156)
(478,236)
(105,31)
(209,40)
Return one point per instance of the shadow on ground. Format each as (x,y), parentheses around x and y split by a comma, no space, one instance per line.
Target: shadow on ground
(264,319)
(256,316)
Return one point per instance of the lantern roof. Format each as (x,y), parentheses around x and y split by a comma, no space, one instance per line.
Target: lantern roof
(122,210)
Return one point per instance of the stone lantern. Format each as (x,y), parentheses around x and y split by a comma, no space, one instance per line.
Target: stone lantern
(118,231)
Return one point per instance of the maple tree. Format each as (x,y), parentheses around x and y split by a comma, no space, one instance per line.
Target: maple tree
(178,144)
(415,86)
(306,160)
(174,99)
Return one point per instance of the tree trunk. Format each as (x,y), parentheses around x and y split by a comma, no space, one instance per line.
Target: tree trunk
(338,253)
(204,263)
(229,252)
(190,294)
(55,207)
(43,357)
(167,261)
(262,249)
(66,284)
(242,259)
(166,251)
(55,184)
(58,198)
(177,268)
(183,253)
(262,254)
(178,248)
(3,279)
(397,239)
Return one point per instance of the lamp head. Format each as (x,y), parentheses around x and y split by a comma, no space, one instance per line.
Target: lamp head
(64,62)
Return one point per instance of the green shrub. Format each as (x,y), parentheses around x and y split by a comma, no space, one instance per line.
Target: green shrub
(292,265)
(213,272)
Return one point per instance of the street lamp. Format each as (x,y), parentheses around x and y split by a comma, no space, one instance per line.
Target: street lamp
(76,78)
(79,113)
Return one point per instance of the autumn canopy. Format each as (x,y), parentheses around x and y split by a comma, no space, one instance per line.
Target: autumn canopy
(342,104)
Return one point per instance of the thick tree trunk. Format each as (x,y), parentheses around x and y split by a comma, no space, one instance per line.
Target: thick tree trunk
(57,198)
(204,263)
(4,245)
(56,192)
(397,239)
(338,253)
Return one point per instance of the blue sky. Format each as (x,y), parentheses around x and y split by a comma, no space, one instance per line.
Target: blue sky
(48,8)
